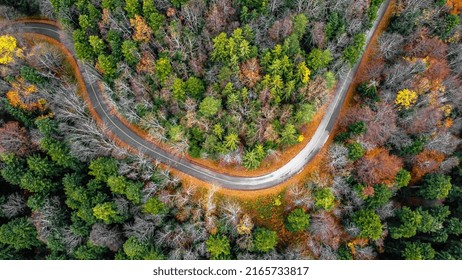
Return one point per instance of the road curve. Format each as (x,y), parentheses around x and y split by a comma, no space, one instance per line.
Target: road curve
(129,137)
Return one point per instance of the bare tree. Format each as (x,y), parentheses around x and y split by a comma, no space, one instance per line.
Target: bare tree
(193,13)
(365,253)
(106,236)
(447,165)
(8,13)
(15,205)
(48,218)
(70,239)
(387,210)
(328,253)
(231,211)
(324,228)
(390,44)
(444,142)
(46,9)
(300,196)
(14,139)
(338,155)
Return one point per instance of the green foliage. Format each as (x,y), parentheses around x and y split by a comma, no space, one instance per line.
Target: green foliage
(154,206)
(108,213)
(218,247)
(130,52)
(324,198)
(231,50)
(155,20)
(418,251)
(210,106)
(436,186)
(178,89)
(368,90)
(178,3)
(300,23)
(415,148)
(357,128)
(231,141)
(132,7)
(129,188)
(297,220)
(454,226)
(195,87)
(355,151)
(410,221)
(23,116)
(330,79)
(13,169)
(107,64)
(41,166)
(382,194)
(90,252)
(136,250)
(114,39)
(97,44)
(85,22)
(31,75)
(33,183)
(404,23)
(19,233)
(111,4)
(318,59)
(264,240)
(305,113)
(344,253)
(47,126)
(373,9)
(369,224)
(163,69)
(82,47)
(353,52)
(403,178)
(253,158)
(175,133)
(289,135)
(252,4)
(335,26)
(103,168)
(448,25)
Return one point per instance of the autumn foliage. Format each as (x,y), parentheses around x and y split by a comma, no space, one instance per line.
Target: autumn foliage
(8,49)
(250,72)
(24,95)
(142,32)
(455,5)
(426,162)
(378,166)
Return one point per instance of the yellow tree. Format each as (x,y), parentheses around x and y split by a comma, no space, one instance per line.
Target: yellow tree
(8,49)
(406,98)
(303,73)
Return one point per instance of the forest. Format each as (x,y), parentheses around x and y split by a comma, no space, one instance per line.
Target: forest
(236,82)
(229,81)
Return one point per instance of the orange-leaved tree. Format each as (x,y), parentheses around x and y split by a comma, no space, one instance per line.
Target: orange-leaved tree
(426,162)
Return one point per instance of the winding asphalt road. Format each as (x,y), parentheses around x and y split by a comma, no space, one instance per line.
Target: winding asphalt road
(129,137)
